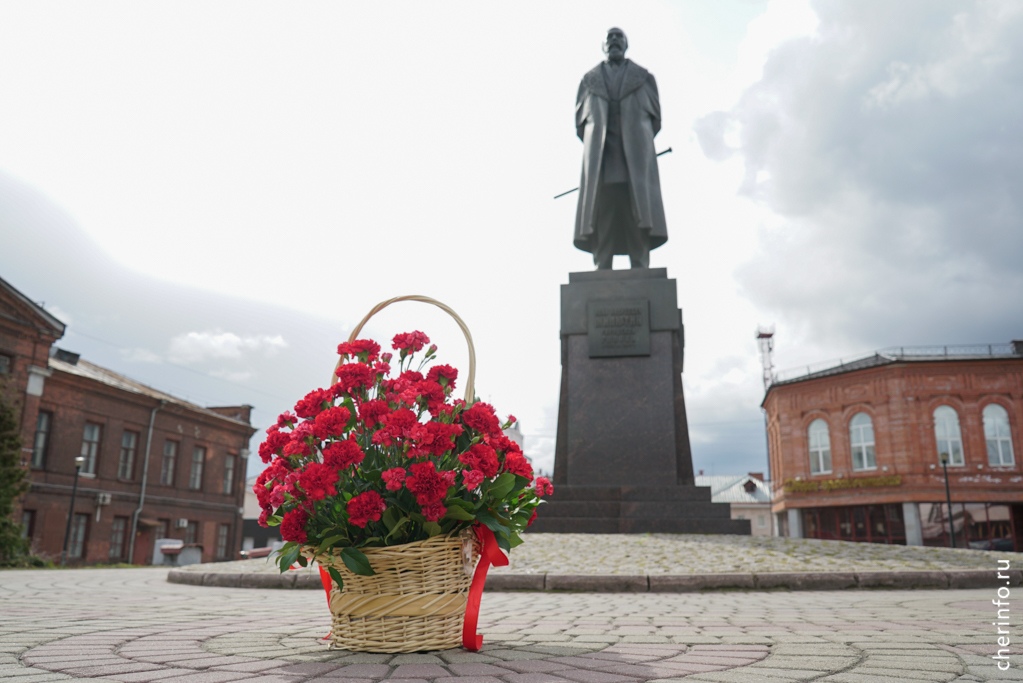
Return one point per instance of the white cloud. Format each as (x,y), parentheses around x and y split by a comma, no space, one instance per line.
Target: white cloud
(888,146)
(193,347)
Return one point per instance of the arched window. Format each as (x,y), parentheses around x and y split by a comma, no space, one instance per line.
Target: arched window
(998,436)
(948,436)
(861,437)
(820,447)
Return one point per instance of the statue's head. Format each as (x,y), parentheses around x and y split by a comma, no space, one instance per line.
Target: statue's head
(615,44)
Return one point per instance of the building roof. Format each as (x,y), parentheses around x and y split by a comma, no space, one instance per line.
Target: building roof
(48,319)
(731,488)
(901,354)
(72,365)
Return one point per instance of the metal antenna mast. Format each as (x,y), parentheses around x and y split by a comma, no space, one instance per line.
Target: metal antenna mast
(765,337)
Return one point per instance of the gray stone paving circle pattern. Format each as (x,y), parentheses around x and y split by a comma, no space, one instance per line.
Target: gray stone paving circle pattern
(130,625)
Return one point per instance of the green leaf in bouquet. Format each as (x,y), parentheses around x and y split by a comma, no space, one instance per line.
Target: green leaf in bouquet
(503,485)
(503,542)
(464,504)
(459,513)
(336,575)
(391,517)
(356,561)
(432,528)
(302,561)
(287,556)
(330,542)
(514,540)
(398,526)
(273,520)
(492,523)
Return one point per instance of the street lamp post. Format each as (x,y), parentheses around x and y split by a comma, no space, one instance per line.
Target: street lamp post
(948,500)
(79,461)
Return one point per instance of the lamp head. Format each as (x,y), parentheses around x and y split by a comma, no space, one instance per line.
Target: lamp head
(79,461)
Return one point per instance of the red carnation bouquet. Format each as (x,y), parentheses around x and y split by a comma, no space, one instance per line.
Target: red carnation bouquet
(379,461)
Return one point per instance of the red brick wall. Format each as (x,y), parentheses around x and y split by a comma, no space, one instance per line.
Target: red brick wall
(75,400)
(900,398)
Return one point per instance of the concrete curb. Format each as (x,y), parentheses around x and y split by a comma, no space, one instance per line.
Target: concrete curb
(657,583)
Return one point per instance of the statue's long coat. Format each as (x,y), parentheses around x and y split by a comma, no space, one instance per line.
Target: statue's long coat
(640,122)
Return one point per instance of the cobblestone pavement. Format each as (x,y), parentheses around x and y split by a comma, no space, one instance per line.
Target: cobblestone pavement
(672,563)
(131,625)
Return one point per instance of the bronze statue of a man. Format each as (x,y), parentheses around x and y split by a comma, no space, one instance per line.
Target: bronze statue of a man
(617,115)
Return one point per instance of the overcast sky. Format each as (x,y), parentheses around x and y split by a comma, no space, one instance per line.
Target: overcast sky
(212,194)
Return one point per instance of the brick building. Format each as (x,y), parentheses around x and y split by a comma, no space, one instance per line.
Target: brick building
(154,466)
(856,449)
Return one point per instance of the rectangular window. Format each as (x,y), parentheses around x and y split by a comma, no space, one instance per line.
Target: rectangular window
(126,463)
(191,532)
(223,533)
(79,531)
(90,446)
(195,473)
(118,535)
(5,364)
(229,474)
(41,439)
(163,528)
(170,459)
(28,523)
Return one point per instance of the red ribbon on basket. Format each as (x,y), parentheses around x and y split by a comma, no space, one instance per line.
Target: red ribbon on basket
(490,554)
(327,584)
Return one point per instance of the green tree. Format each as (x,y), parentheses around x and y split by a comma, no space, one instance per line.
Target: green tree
(14,550)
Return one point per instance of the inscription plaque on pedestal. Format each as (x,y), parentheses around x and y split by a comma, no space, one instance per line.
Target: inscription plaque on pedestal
(618,327)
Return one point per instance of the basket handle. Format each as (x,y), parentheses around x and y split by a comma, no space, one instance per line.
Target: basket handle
(470,380)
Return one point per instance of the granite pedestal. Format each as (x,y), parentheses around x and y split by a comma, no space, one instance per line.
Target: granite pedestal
(623,462)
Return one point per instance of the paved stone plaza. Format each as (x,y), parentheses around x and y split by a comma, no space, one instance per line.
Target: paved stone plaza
(131,625)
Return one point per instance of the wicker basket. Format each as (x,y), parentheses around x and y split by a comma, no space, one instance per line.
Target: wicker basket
(416,600)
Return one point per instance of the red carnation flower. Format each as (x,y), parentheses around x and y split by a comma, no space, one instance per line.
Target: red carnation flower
(365,508)
(483,458)
(396,425)
(428,485)
(445,375)
(433,438)
(517,464)
(293,526)
(353,376)
(275,440)
(544,487)
(472,479)
(342,454)
(433,511)
(394,478)
(312,404)
(317,480)
(331,422)
(409,342)
(481,417)
(359,347)
(370,412)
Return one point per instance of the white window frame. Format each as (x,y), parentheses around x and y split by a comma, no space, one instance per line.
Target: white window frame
(861,442)
(998,436)
(126,458)
(947,430)
(195,471)
(91,447)
(819,449)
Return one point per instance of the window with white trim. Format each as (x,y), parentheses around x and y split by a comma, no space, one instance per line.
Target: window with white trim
(998,436)
(948,435)
(861,439)
(820,447)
